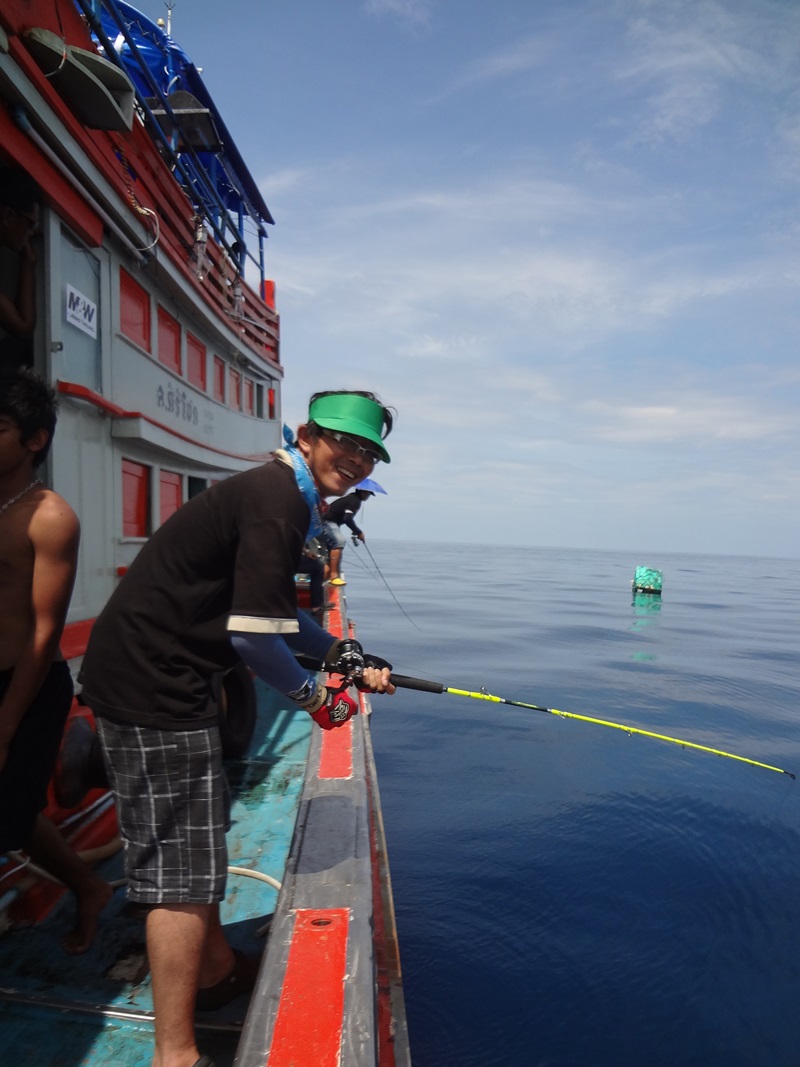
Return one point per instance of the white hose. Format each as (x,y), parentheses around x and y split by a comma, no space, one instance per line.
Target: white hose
(113,846)
(248,873)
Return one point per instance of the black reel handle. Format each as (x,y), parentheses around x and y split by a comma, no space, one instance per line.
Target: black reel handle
(402,681)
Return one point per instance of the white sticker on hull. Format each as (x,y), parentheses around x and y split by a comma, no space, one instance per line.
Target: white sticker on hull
(81,311)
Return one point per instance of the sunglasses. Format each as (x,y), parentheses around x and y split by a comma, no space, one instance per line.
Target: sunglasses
(349,444)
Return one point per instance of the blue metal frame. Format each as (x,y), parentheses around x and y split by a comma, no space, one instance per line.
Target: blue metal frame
(219,184)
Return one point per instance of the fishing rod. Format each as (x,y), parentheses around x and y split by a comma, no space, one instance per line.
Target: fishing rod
(404,682)
(356,542)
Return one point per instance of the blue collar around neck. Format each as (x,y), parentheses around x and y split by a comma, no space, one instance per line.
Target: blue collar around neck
(307,486)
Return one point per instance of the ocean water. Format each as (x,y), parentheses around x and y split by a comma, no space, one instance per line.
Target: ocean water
(569,894)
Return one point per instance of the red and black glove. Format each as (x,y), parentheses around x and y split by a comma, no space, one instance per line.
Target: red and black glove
(332,707)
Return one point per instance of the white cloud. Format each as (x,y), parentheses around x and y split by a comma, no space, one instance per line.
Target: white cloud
(289,179)
(412,12)
(518,57)
(688,58)
(688,421)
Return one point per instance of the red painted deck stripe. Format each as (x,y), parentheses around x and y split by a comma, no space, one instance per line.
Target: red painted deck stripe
(336,755)
(308,1027)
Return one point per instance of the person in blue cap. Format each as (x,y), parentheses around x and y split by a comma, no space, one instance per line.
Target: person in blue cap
(214,583)
(342,512)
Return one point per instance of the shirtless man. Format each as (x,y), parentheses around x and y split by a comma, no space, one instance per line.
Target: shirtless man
(19,219)
(39,536)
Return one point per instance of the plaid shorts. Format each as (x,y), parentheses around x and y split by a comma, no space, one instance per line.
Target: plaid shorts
(173,808)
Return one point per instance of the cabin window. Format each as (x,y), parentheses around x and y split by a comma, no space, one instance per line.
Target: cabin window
(235,389)
(249,405)
(80,273)
(194,486)
(169,341)
(135,499)
(219,379)
(170,492)
(134,311)
(195,362)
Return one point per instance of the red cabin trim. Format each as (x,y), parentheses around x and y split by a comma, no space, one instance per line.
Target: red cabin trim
(80,392)
(195,362)
(234,389)
(135,499)
(218,380)
(134,311)
(170,493)
(58,192)
(169,340)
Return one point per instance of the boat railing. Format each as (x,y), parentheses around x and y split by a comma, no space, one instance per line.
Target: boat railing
(252,316)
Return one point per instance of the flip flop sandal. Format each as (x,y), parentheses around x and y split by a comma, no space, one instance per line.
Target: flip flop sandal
(241,979)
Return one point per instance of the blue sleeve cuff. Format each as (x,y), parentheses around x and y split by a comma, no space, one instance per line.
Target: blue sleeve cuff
(272,660)
(310,638)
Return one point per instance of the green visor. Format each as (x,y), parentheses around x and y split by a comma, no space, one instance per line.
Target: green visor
(349,413)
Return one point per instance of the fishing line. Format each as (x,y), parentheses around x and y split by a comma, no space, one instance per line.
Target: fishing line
(363,566)
(394,598)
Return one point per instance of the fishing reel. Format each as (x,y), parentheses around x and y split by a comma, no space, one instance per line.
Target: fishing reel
(348,660)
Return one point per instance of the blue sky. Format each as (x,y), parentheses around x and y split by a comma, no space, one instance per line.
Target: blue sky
(560,238)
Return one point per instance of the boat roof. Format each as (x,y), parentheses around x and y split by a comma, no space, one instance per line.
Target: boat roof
(159,68)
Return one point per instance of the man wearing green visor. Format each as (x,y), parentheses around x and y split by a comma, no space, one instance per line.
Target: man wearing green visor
(214,583)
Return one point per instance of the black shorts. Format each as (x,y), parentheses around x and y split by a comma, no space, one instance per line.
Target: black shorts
(32,756)
(173,808)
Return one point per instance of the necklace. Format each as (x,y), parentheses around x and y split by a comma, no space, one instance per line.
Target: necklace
(14,499)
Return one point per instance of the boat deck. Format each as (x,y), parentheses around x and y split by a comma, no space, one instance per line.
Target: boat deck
(305,813)
(58,1010)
